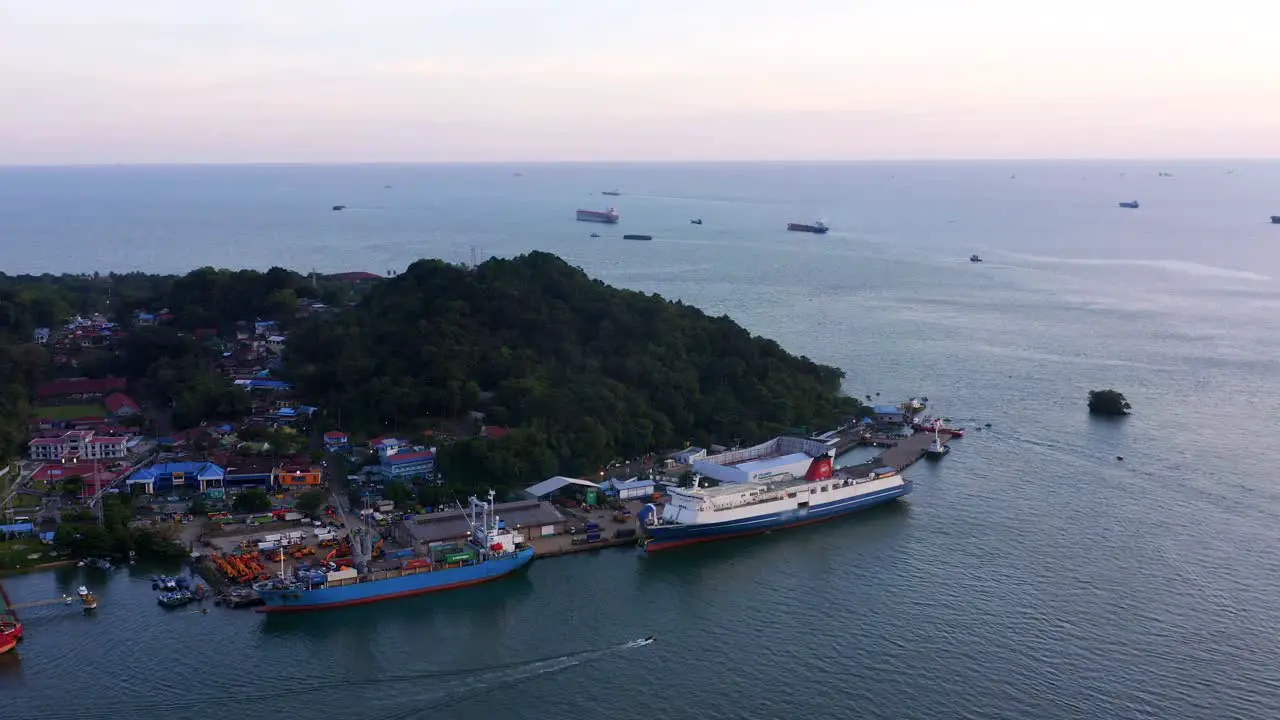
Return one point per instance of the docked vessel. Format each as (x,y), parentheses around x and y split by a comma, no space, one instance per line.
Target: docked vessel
(10,626)
(937,449)
(1132,205)
(491,552)
(817,227)
(734,509)
(608,216)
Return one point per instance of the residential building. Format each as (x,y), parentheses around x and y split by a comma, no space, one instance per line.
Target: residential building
(336,440)
(41,336)
(78,445)
(120,405)
(407,463)
(889,414)
(275,343)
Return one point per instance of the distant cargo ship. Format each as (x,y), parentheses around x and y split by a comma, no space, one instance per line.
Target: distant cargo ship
(608,216)
(637,237)
(734,509)
(491,552)
(1132,205)
(817,227)
(610,192)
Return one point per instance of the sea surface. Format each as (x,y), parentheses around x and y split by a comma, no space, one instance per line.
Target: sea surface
(1031,574)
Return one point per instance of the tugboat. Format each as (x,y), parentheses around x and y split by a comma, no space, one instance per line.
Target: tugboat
(818,228)
(1132,205)
(974,258)
(937,449)
(87,599)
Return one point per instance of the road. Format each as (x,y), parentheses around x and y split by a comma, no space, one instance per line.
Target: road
(26,469)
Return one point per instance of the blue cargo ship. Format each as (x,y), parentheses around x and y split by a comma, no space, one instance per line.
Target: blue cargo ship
(734,509)
(490,553)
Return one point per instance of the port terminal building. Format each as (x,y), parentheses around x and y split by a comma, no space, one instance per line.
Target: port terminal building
(781,456)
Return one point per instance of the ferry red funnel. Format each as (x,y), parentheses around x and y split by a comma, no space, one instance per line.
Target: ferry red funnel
(819,469)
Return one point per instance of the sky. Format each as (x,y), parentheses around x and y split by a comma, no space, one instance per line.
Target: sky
(240,81)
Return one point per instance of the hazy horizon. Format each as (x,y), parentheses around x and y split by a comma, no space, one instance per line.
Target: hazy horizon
(492,81)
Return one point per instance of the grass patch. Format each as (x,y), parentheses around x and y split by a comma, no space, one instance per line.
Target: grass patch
(69,412)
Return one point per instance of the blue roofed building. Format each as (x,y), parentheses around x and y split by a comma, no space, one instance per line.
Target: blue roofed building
(629,489)
(164,478)
(407,463)
(889,414)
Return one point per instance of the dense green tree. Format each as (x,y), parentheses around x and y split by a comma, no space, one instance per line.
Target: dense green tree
(252,501)
(585,371)
(310,501)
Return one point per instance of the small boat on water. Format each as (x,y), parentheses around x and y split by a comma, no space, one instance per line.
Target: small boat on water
(594,235)
(613,193)
(696,221)
(87,599)
(339,207)
(164,583)
(974,258)
(1133,205)
(174,599)
(1275,219)
(637,237)
(818,228)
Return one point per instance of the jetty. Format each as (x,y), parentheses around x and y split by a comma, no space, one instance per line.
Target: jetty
(900,452)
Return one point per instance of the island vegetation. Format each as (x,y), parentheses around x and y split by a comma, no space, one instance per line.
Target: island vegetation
(1108,403)
(575,373)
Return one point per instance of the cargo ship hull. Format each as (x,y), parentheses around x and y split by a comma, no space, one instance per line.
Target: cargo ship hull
(609,217)
(817,229)
(405,585)
(665,537)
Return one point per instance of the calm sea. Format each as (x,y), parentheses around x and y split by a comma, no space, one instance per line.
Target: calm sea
(1031,574)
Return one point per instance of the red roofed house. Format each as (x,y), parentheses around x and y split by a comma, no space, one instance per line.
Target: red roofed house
(80,387)
(78,445)
(335,439)
(494,432)
(121,405)
(95,480)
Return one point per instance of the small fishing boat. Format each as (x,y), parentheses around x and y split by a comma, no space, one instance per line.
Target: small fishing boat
(174,599)
(1132,205)
(696,221)
(974,258)
(594,235)
(339,207)
(613,193)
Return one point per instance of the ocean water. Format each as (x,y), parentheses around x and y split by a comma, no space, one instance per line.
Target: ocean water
(1030,575)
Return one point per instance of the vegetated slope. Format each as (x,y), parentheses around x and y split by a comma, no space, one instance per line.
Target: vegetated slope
(586,371)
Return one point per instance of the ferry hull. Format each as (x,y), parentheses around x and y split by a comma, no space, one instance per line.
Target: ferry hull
(666,537)
(325,598)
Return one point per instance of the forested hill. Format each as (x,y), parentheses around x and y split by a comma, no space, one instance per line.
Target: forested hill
(588,372)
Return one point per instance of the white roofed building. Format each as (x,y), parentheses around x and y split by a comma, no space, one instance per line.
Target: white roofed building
(766,461)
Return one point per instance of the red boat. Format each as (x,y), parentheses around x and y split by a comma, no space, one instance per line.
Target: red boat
(10,627)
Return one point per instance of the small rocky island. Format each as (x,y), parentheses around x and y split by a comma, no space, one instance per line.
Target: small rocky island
(1110,403)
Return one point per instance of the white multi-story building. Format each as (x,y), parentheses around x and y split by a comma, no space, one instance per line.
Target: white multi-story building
(78,445)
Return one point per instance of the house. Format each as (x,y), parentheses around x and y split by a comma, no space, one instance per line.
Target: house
(628,489)
(889,414)
(78,444)
(336,440)
(275,343)
(144,318)
(494,432)
(80,388)
(95,479)
(383,443)
(407,463)
(164,478)
(41,336)
(120,405)
(263,328)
